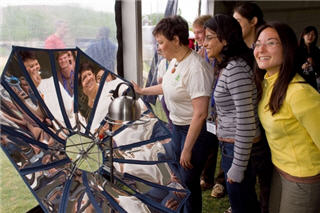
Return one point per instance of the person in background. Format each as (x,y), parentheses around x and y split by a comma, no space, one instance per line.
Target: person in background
(186,87)
(234,100)
(289,112)
(207,177)
(309,56)
(250,17)
(102,50)
(199,33)
(55,41)
(66,72)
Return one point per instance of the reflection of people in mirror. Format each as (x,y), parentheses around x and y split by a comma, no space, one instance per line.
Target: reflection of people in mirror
(46,88)
(128,202)
(55,41)
(17,151)
(100,73)
(66,70)
(26,88)
(90,89)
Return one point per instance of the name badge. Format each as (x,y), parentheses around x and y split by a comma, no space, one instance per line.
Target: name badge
(211,127)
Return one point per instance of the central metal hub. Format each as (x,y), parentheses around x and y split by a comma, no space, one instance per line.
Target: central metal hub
(84,152)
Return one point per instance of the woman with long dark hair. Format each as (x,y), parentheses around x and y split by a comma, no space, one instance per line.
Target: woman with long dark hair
(250,17)
(289,112)
(309,56)
(234,99)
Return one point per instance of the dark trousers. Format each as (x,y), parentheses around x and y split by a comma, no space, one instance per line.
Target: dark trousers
(262,167)
(210,166)
(242,196)
(191,177)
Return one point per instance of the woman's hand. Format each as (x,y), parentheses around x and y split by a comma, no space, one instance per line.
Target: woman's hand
(229,180)
(185,159)
(137,88)
(305,65)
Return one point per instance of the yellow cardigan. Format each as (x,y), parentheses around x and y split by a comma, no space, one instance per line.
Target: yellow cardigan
(294,132)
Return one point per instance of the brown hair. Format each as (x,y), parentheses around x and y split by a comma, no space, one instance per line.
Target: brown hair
(173,26)
(25,55)
(249,10)
(288,68)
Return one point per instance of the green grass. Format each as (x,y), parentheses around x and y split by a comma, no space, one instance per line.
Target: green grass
(14,194)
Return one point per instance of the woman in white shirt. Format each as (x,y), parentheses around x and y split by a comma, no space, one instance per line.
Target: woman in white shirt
(186,87)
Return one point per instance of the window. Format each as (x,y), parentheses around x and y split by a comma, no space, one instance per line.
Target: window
(60,24)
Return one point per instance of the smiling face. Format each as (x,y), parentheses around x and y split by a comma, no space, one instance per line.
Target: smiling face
(213,45)
(33,68)
(165,47)
(199,34)
(88,82)
(64,63)
(268,51)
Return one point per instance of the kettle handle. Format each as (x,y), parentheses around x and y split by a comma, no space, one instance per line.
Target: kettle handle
(116,91)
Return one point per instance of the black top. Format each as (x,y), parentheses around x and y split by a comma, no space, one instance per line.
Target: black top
(310,74)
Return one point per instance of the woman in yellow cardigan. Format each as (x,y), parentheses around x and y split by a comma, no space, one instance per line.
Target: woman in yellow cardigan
(289,110)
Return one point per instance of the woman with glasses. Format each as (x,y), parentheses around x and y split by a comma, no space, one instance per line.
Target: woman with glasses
(234,99)
(289,112)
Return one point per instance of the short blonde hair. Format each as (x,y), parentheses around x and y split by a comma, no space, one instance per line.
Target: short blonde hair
(200,20)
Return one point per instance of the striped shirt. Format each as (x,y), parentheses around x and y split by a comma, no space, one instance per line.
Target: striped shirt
(237,119)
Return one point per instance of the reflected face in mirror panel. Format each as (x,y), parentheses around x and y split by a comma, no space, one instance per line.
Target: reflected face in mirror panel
(65,70)
(99,75)
(64,64)
(88,83)
(24,84)
(33,68)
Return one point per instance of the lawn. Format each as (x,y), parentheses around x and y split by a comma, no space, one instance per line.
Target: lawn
(14,194)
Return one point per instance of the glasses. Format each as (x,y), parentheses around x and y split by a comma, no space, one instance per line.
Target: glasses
(268,44)
(208,38)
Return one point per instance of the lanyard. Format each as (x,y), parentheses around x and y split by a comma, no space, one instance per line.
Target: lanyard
(212,63)
(212,95)
(214,88)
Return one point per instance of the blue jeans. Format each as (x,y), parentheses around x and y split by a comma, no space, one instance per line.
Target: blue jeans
(191,177)
(242,196)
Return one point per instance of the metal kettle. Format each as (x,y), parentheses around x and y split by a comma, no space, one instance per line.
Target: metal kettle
(124,108)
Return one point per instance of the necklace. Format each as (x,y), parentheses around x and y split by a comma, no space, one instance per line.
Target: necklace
(177,63)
